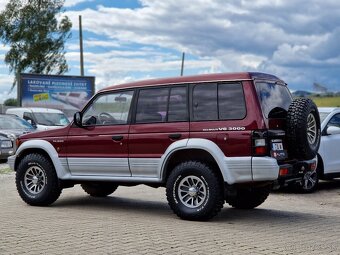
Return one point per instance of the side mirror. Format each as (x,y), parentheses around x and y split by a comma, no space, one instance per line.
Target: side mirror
(32,123)
(77,118)
(332,130)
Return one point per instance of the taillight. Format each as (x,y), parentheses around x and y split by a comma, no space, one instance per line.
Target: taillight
(260,145)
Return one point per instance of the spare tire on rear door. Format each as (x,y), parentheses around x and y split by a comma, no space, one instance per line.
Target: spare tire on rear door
(303,129)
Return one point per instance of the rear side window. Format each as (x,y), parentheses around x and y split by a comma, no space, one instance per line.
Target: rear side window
(218,101)
(157,105)
(205,102)
(231,101)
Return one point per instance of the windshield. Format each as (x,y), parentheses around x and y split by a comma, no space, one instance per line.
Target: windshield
(51,119)
(323,115)
(7,122)
(272,95)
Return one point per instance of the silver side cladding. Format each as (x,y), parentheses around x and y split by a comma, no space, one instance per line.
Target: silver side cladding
(99,166)
(145,167)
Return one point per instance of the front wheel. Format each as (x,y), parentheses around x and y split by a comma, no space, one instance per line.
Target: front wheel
(194,191)
(37,181)
(249,198)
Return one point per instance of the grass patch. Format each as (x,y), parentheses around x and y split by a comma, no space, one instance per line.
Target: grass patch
(5,171)
(326,101)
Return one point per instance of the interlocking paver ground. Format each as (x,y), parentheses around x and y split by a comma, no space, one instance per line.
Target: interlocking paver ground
(137,220)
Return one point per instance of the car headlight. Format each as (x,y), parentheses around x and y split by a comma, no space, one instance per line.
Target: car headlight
(6,144)
(12,137)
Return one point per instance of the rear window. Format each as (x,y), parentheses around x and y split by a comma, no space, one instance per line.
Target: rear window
(272,95)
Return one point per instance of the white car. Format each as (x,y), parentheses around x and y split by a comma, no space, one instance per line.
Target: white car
(328,155)
(41,118)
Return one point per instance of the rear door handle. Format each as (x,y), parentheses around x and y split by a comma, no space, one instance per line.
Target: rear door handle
(175,136)
(117,137)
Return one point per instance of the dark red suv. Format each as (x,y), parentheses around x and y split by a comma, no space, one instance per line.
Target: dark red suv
(208,139)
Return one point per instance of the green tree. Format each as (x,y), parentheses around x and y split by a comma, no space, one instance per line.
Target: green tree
(36,31)
(10,102)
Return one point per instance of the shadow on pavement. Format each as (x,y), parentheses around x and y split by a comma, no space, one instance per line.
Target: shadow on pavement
(145,208)
(329,184)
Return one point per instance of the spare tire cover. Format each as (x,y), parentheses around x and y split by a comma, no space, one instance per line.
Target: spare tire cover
(303,129)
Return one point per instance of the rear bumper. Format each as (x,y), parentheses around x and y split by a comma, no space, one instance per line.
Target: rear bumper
(294,172)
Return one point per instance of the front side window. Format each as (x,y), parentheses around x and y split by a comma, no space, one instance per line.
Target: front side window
(334,121)
(109,109)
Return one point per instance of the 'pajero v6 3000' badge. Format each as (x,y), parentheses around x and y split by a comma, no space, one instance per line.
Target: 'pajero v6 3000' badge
(225,129)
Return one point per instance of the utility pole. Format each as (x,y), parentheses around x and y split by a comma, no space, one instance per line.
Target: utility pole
(81,48)
(182,68)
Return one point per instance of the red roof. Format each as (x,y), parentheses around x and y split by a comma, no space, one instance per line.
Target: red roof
(183,79)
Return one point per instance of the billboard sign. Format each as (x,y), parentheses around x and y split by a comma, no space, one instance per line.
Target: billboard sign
(66,93)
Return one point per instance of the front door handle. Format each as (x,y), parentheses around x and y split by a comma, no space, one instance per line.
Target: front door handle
(117,137)
(175,136)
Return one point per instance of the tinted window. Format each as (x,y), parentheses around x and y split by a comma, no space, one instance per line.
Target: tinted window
(231,101)
(222,101)
(152,105)
(205,102)
(273,96)
(178,109)
(109,109)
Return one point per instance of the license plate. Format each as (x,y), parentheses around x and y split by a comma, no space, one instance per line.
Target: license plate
(277,146)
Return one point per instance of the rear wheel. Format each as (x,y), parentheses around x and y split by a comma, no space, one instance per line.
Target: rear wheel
(98,189)
(309,182)
(37,181)
(249,198)
(194,191)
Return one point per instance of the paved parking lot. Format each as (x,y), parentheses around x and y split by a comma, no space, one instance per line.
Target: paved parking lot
(137,220)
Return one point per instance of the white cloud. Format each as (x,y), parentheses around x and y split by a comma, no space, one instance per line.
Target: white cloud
(70,3)
(3,4)
(112,66)
(5,88)
(298,41)
(264,35)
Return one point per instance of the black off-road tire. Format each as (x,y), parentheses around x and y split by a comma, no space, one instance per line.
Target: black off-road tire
(37,168)
(99,189)
(249,198)
(200,177)
(303,140)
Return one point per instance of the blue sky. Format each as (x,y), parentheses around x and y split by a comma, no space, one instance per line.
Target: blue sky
(139,39)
